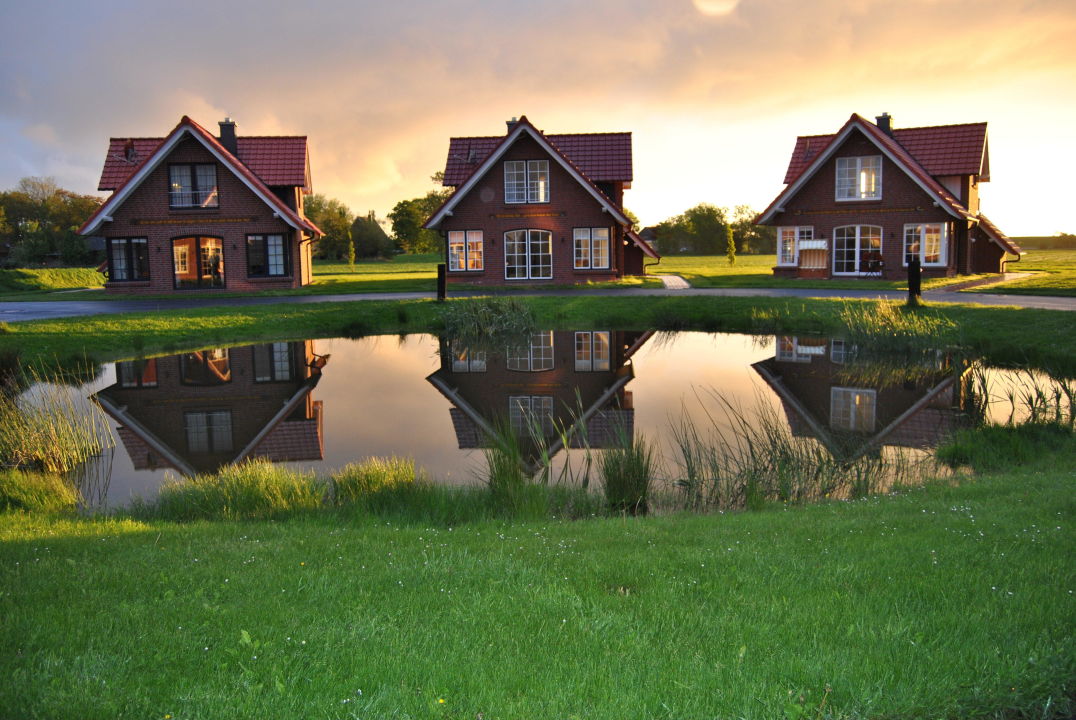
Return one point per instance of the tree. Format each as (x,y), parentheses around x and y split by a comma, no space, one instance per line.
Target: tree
(698,230)
(751,238)
(41,220)
(408,217)
(730,245)
(334,218)
(370,239)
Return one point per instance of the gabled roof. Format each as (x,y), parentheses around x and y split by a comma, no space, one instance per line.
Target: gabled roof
(600,156)
(940,150)
(889,147)
(276,160)
(153,158)
(521,127)
(997,236)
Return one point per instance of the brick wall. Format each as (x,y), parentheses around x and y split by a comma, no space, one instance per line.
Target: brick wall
(903,201)
(162,409)
(146,214)
(570,206)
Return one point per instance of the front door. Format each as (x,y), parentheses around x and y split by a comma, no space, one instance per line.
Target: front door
(198,262)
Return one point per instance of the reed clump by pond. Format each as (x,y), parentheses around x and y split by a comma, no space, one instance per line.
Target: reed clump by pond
(489,322)
(47,426)
(743,461)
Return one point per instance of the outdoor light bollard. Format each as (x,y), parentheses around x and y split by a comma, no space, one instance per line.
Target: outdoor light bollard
(442,282)
(915,281)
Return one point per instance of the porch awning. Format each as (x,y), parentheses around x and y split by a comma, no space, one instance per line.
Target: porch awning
(819,244)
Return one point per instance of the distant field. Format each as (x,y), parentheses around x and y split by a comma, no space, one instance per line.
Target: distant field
(751,271)
(404,273)
(1055,274)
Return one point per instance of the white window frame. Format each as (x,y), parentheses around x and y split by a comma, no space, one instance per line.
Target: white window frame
(522,409)
(844,398)
(797,233)
(535,357)
(531,239)
(591,252)
(851,177)
(472,257)
(859,250)
(918,231)
(466,361)
(592,351)
(526,181)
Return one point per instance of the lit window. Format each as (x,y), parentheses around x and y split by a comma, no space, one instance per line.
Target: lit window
(465,251)
(591,248)
(791,241)
(854,246)
(193,186)
(591,351)
(928,242)
(859,178)
(137,373)
(468,361)
(526,181)
(528,255)
(852,409)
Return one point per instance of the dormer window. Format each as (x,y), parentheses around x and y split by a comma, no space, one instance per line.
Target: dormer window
(193,186)
(859,178)
(526,181)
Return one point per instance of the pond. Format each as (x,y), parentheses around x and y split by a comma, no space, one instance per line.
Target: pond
(321,404)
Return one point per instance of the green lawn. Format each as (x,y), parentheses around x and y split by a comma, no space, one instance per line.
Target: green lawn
(753,271)
(403,273)
(1012,336)
(36,281)
(1055,274)
(944,602)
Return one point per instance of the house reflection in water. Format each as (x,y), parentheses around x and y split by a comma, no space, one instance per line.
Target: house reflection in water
(854,402)
(560,380)
(199,411)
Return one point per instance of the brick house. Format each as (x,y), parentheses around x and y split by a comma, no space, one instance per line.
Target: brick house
(560,380)
(531,208)
(198,411)
(195,212)
(864,201)
(830,394)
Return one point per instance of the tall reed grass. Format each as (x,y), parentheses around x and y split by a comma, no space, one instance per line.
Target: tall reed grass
(490,322)
(628,471)
(35,492)
(743,461)
(49,427)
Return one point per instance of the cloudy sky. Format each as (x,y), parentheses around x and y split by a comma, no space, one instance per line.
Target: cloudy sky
(715,91)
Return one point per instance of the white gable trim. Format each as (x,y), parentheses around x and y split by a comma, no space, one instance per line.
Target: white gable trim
(166,147)
(461,192)
(830,151)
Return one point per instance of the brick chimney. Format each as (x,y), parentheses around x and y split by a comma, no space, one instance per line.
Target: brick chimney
(227,136)
(885,123)
(511,124)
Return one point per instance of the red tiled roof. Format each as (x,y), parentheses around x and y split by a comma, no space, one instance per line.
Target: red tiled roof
(824,144)
(1001,238)
(502,143)
(231,161)
(600,156)
(940,150)
(276,160)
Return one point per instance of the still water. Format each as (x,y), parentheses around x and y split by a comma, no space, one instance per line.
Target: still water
(321,404)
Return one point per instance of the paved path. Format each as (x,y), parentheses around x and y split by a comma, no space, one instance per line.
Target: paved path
(19,311)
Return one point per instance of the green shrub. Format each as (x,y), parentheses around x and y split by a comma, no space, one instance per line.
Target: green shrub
(358,481)
(627,473)
(994,447)
(35,492)
(251,490)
